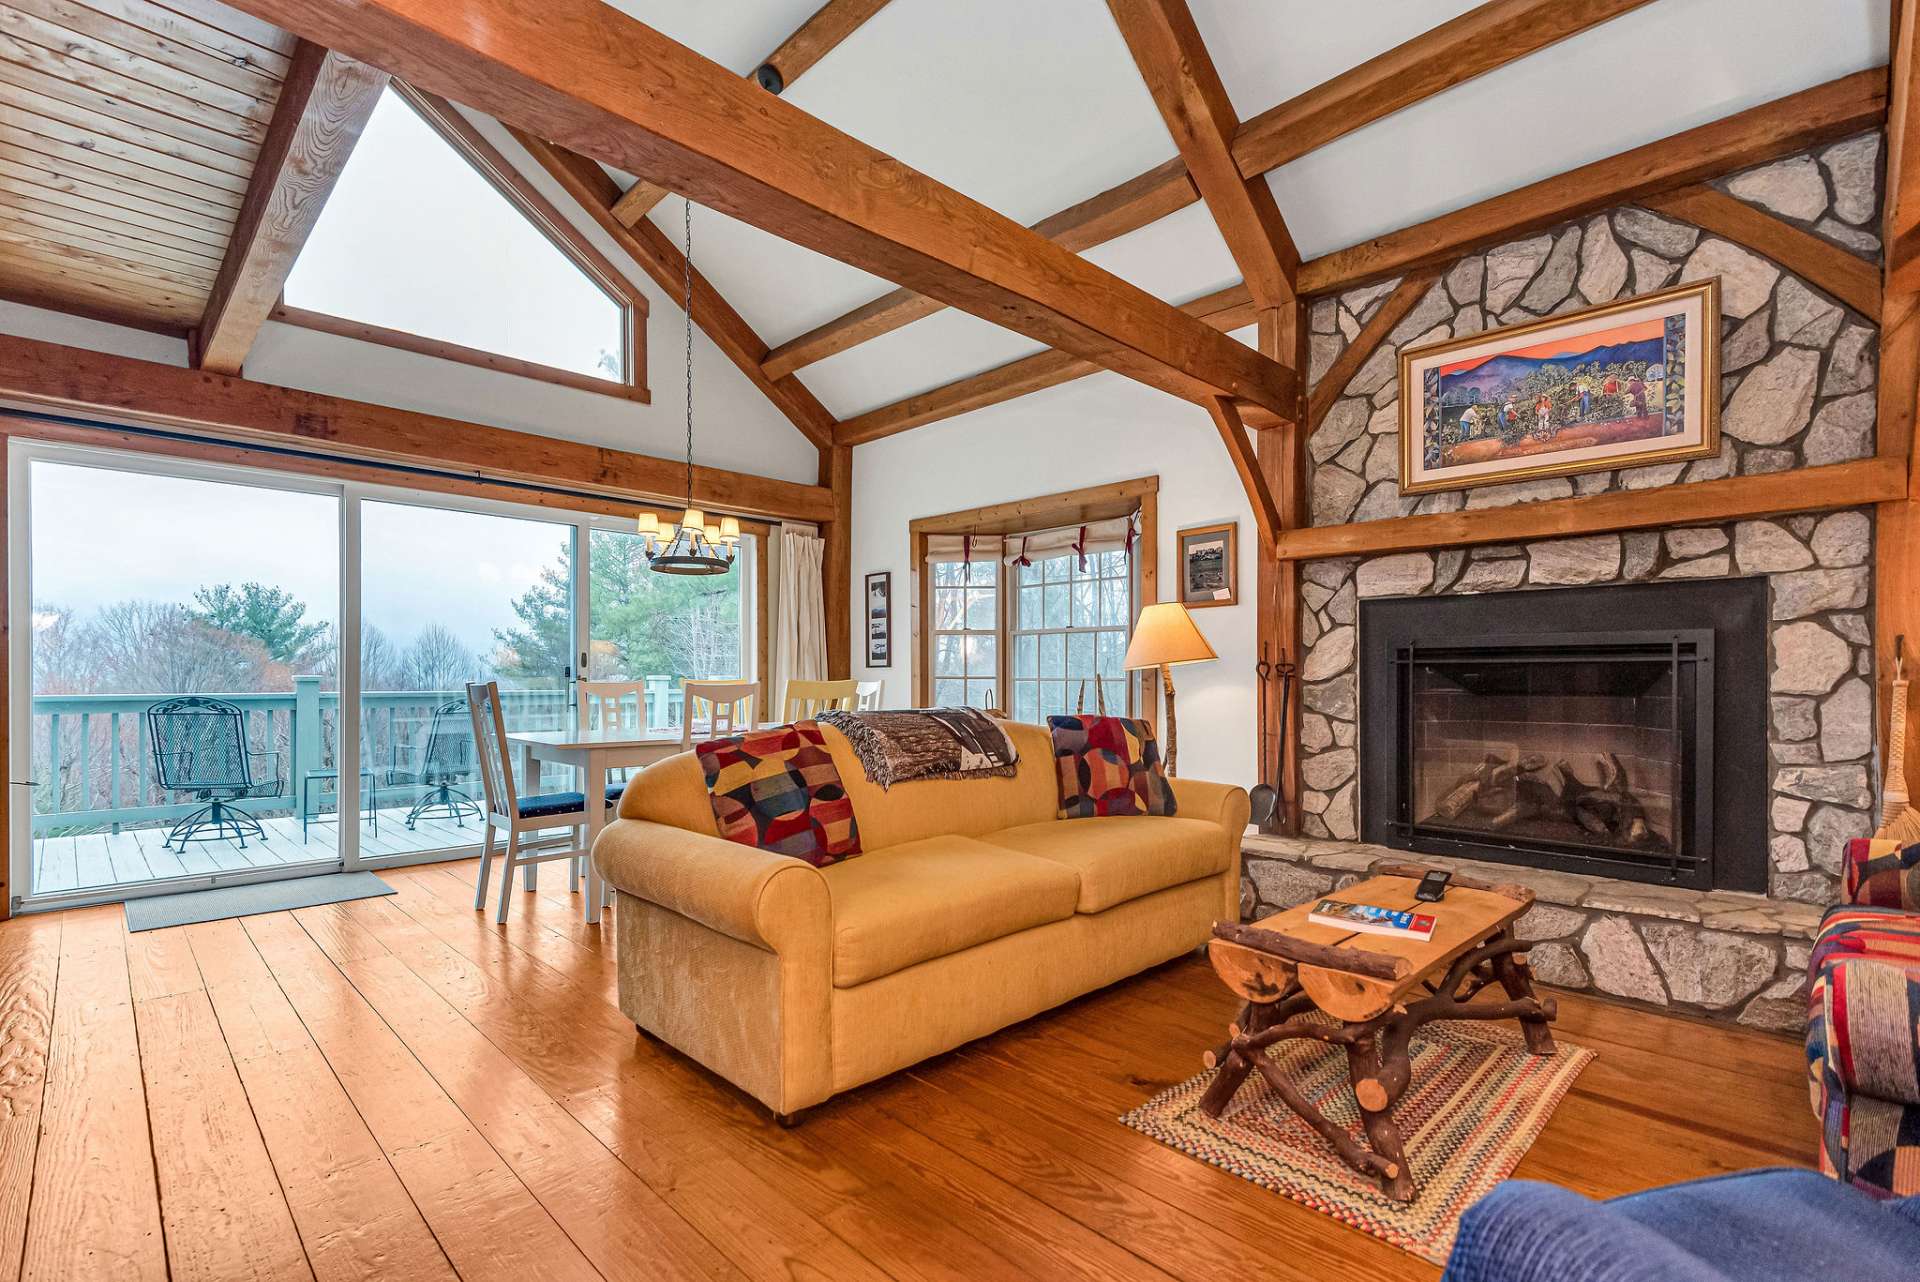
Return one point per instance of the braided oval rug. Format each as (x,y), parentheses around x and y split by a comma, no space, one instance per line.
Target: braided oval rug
(1477,1102)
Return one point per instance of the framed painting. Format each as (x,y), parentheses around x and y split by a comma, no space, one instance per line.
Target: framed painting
(1621,385)
(1209,565)
(880,619)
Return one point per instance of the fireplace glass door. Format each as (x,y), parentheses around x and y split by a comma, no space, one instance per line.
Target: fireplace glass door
(1581,750)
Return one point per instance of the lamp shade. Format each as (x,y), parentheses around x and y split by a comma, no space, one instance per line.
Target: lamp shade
(1165,633)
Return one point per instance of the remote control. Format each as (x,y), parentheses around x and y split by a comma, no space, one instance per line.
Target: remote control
(1433,885)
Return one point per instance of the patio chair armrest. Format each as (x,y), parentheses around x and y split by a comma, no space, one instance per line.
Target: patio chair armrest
(274,753)
(767,900)
(1880,873)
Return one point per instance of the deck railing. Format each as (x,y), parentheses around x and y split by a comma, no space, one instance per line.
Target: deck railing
(92,755)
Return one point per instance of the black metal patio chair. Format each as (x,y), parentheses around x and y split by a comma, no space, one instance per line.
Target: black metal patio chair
(445,762)
(200,748)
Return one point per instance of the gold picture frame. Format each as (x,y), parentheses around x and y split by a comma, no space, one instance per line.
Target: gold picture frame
(1520,403)
(1209,565)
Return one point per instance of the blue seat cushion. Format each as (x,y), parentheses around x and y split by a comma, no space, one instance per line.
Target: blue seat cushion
(554,803)
(551,803)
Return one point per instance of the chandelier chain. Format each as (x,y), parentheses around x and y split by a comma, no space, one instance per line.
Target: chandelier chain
(686,216)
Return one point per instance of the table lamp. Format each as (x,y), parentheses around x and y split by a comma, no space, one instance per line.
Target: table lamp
(1164,635)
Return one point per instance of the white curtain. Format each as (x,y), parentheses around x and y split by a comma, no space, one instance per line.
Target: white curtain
(1089,539)
(800,621)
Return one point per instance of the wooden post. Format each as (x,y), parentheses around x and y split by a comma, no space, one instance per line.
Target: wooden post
(1897,545)
(836,571)
(1281,455)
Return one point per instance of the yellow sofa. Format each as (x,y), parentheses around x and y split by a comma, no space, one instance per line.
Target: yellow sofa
(973,907)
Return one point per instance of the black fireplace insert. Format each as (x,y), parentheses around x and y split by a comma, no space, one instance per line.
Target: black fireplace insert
(1619,731)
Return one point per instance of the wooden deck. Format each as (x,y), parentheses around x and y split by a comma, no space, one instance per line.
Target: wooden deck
(397,1088)
(135,854)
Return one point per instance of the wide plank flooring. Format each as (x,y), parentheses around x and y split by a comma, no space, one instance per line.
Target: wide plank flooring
(397,1088)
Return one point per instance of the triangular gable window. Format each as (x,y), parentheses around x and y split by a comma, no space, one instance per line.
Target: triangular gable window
(431,242)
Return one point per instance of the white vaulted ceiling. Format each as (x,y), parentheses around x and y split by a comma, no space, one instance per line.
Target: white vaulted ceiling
(1031,107)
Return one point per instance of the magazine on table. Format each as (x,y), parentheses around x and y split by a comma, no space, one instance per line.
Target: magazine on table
(1399,922)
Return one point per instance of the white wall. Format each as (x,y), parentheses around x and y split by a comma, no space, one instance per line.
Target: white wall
(1097,429)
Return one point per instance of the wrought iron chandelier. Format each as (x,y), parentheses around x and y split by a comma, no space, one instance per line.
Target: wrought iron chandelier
(696,545)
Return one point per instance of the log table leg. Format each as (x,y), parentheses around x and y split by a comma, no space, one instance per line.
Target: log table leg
(1376,1091)
(1516,977)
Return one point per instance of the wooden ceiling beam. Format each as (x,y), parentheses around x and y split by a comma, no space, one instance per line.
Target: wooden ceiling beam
(1755,136)
(1847,276)
(817,37)
(1185,85)
(324,103)
(596,192)
(1225,310)
(1483,39)
(120,389)
(638,101)
(1436,60)
(1114,212)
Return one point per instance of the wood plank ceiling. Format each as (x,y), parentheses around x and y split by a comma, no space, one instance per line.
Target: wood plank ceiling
(128,132)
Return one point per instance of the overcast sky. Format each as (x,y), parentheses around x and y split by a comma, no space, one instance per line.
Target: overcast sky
(413,239)
(101,536)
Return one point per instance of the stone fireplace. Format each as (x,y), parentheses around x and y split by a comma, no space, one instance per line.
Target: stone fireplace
(1615,731)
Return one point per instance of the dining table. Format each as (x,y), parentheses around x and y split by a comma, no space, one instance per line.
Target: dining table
(595,754)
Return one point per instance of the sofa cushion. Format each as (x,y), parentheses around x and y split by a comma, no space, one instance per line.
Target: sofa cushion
(914,902)
(1122,857)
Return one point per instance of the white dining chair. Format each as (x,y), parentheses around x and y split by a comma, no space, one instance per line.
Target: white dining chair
(868,696)
(507,810)
(725,707)
(605,705)
(804,699)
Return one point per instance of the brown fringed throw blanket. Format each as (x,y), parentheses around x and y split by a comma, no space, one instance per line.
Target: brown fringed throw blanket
(926,743)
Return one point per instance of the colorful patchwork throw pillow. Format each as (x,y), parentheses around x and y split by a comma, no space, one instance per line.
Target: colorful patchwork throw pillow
(1108,766)
(778,790)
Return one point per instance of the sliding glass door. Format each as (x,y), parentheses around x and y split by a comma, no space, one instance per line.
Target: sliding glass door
(182,637)
(225,674)
(448,596)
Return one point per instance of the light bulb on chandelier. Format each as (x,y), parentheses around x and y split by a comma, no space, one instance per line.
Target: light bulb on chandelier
(696,545)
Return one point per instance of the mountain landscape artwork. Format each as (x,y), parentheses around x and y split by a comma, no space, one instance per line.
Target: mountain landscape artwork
(1613,386)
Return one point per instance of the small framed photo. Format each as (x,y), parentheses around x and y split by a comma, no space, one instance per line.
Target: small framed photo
(1621,385)
(1210,565)
(880,619)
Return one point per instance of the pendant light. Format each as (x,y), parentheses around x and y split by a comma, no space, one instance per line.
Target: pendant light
(696,545)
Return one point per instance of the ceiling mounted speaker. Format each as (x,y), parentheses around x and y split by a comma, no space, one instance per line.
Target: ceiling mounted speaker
(768,76)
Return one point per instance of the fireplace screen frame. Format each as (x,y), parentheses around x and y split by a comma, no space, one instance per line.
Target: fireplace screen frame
(1688,654)
(1736,611)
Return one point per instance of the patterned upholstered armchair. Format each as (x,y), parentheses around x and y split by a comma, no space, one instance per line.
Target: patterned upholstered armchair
(1863,1029)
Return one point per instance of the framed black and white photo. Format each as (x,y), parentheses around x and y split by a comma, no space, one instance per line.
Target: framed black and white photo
(880,619)
(1209,565)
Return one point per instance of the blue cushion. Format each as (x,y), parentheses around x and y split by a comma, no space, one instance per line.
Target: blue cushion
(613,793)
(551,803)
(1751,1226)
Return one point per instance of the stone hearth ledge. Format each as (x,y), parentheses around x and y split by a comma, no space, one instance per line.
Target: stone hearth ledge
(1718,954)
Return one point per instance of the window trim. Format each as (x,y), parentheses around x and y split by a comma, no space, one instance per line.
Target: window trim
(497,171)
(1095,503)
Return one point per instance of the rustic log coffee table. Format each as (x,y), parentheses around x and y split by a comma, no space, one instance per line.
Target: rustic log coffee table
(1380,989)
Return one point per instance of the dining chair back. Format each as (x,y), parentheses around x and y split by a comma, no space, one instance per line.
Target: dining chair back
(724,707)
(613,705)
(811,698)
(867,698)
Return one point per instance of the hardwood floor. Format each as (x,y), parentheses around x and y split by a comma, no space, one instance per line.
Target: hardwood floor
(396,1088)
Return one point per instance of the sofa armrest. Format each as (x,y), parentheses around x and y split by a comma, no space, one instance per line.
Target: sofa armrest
(1223,803)
(1871,1008)
(767,900)
(1879,873)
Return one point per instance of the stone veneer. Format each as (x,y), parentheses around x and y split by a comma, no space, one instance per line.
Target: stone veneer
(1798,390)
